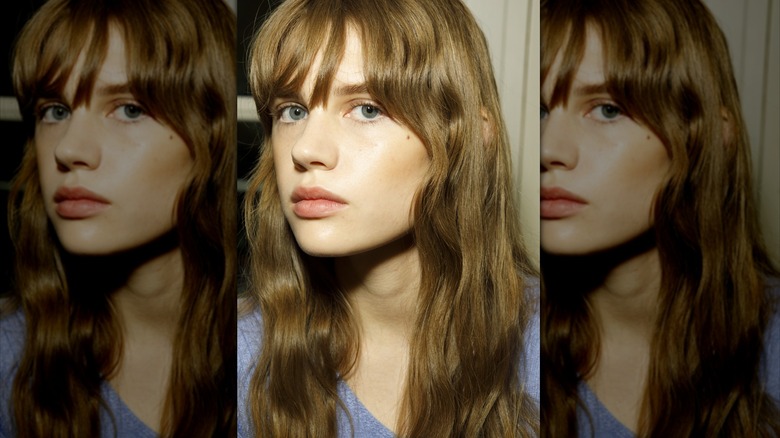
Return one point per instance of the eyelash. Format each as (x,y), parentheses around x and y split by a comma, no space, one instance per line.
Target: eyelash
(41,111)
(381,111)
(278,112)
(132,104)
(606,104)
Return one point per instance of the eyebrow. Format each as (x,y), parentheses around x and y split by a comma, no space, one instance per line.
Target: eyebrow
(341,91)
(350,89)
(589,89)
(112,89)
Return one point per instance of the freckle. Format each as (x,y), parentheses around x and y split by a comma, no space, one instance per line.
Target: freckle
(648,137)
(408,137)
(170,137)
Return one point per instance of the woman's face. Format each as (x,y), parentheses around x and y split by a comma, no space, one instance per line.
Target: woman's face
(109,172)
(347,173)
(600,168)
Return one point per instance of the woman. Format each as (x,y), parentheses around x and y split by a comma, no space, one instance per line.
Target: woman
(659,306)
(123,216)
(391,293)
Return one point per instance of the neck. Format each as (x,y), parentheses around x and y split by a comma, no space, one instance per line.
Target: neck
(382,286)
(626,302)
(621,285)
(148,303)
(144,286)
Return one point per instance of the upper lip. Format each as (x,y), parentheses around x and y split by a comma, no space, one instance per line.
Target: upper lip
(555,193)
(77,193)
(314,193)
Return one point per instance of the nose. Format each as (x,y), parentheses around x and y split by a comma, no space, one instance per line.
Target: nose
(316,147)
(559,141)
(79,146)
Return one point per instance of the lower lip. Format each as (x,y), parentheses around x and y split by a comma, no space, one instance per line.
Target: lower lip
(80,208)
(316,208)
(559,208)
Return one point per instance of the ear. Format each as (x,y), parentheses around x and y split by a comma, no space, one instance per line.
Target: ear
(728,126)
(487,127)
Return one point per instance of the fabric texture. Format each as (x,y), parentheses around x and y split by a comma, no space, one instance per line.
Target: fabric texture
(250,332)
(605,425)
(12,329)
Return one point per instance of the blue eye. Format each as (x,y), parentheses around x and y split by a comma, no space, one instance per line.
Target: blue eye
(132,111)
(129,112)
(609,112)
(292,113)
(366,112)
(54,113)
(369,111)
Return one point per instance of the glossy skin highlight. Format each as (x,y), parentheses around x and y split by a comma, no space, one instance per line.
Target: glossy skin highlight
(347,172)
(110,173)
(600,168)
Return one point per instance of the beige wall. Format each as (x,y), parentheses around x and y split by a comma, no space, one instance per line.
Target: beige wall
(512,30)
(752,28)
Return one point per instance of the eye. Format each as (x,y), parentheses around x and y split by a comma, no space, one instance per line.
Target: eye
(129,112)
(606,112)
(543,113)
(292,114)
(54,113)
(369,111)
(366,111)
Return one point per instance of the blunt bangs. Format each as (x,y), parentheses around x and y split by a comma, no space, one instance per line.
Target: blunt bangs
(167,66)
(639,46)
(402,60)
(45,74)
(285,50)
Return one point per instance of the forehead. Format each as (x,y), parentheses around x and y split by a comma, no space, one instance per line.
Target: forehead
(111,71)
(348,72)
(574,71)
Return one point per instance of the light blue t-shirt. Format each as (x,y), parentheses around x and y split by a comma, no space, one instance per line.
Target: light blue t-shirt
(364,423)
(12,329)
(605,425)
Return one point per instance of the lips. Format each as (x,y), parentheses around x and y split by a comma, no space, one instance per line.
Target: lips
(316,203)
(558,203)
(78,203)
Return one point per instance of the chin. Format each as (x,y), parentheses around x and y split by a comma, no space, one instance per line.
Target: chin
(566,251)
(563,244)
(82,248)
(571,244)
(324,249)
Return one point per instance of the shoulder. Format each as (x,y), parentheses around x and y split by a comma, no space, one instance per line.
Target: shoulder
(354,420)
(249,332)
(117,420)
(594,420)
(12,333)
(530,373)
(12,326)
(771,365)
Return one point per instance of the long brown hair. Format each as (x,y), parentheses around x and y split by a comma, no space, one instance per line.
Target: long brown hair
(428,65)
(180,63)
(667,63)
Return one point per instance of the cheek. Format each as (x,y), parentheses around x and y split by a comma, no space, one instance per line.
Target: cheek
(283,163)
